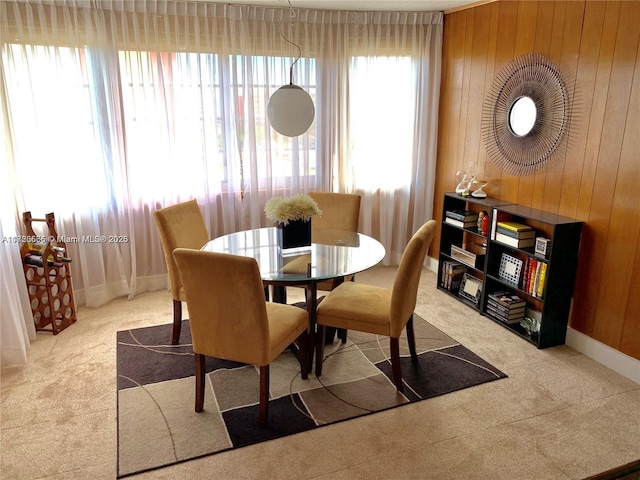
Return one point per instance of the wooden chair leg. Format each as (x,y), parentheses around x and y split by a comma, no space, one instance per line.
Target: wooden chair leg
(200,371)
(302,347)
(320,334)
(395,363)
(177,321)
(411,339)
(342,335)
(264,396)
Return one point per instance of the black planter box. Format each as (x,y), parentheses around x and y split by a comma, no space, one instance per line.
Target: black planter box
(296,233)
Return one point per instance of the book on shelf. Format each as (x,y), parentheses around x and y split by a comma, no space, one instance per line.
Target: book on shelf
(514,226)
(452,275)
(498,217)
(515,242)
(462,215)
(460,223)
(507,311)
(534,277)
(507,299)
(515,234)
(511,319)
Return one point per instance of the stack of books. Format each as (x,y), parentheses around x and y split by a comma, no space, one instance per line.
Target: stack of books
(533,278)
(515,234)
(506,307)
(461,218)
(451,277)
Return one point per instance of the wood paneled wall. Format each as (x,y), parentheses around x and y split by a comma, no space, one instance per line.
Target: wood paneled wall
(595,177)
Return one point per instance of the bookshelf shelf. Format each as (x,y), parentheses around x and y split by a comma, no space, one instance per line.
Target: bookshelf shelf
(543,278)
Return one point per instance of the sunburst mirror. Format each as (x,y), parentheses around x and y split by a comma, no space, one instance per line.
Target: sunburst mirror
(525,115)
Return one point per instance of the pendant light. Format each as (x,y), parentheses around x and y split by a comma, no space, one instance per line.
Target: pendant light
(290,108)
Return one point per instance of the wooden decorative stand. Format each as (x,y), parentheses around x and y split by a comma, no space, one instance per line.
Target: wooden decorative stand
(48,276)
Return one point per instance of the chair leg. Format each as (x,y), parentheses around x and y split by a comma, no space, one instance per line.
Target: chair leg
(264,396)
(395,363)
(177,321)
(342,334)
(200,371)
(301,348)
(411,338)
(320,334)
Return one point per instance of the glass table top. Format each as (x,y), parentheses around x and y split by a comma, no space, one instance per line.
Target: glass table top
(333,253)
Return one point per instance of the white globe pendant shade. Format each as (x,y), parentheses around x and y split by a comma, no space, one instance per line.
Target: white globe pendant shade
(290,110)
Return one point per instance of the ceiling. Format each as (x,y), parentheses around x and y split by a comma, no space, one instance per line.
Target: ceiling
(361,5)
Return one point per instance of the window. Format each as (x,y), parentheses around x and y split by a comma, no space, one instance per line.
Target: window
(53,128)
(206,115)
(382,111)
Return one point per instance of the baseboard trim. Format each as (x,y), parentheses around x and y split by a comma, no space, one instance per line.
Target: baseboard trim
(604,354)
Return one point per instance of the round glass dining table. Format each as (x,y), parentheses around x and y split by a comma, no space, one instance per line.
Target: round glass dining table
(333,254)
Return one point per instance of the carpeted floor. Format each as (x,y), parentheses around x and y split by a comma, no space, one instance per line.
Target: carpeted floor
(157,424)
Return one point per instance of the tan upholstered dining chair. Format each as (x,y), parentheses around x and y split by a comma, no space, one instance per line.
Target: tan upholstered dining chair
(180,226)
(377,310)
(340,211)
(231,320)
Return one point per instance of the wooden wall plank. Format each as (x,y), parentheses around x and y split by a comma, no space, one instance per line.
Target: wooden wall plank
(579,129)
(489,169)
(477,72)
(594,233)
(554,168)
(630,338)
(624,224)
(525,42)
(544,29)
(506,33)
(569,186)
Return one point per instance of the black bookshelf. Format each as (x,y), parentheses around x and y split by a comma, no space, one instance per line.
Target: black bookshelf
(550,299)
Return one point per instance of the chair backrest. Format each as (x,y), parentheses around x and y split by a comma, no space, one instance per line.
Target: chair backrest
(227,307)
(180,226)
(340,211)
(405,285)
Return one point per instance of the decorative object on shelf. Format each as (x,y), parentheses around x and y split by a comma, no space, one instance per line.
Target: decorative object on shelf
(542,246)
(470,254)
(461,178)
(290,108)
(470,288)
(531,326)
(510,268)
(479,185)
(292,215)
(525,115)
(466,179)
(479,224)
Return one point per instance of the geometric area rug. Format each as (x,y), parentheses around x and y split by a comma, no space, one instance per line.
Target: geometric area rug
(157,424)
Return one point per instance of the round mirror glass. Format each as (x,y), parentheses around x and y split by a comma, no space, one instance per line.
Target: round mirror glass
(522,116)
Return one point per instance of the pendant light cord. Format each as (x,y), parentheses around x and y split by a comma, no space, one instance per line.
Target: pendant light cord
(293,15)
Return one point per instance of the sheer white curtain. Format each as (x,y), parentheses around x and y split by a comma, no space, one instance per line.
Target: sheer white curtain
(116,109)
(16,321)
(378,92)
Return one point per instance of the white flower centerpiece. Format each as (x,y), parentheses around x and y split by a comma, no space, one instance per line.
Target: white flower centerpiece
(292,215)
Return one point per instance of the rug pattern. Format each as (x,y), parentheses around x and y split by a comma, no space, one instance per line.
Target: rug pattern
(157,424)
